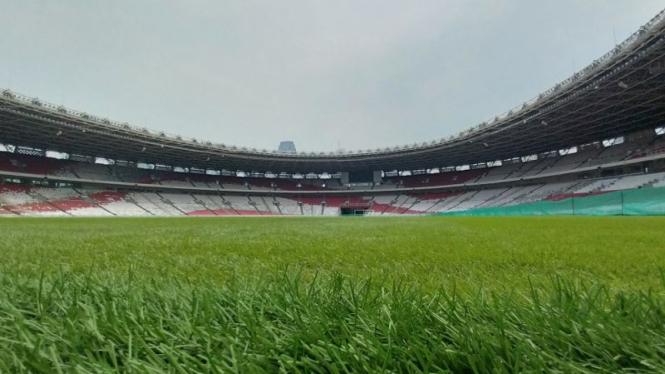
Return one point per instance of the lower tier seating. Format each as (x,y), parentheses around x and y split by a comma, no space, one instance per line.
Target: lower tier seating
(18,199)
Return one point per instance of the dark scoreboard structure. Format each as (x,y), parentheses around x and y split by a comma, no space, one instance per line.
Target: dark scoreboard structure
(357,177)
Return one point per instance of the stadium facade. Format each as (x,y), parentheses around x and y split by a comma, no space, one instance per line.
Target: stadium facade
(600,130)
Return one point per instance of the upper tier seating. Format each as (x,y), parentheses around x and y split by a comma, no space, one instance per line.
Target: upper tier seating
(533,168)
(572,161)
(611,154)
(588,156)
(440,179)
(501,172)
(656,147)
(92,171)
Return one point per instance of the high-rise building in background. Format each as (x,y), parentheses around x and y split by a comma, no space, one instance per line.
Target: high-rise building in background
(287,146)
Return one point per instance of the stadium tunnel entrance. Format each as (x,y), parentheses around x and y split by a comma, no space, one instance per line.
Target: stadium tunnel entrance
(354,211)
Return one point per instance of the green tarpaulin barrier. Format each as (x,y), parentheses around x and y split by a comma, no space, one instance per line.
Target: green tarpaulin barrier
(639,202)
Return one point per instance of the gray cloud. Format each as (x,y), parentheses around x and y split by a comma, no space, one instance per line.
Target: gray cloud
(363,74)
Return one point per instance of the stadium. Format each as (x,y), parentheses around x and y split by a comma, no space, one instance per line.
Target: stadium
(599,131)
(421,294)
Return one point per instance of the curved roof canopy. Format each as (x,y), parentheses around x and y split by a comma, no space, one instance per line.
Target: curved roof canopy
(621,92)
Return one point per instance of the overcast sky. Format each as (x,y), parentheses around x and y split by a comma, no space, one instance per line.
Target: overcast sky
(355,74)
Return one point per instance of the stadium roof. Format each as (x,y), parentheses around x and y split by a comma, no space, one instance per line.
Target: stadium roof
(621,92)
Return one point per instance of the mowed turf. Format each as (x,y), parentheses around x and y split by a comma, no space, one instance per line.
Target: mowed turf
(420,294)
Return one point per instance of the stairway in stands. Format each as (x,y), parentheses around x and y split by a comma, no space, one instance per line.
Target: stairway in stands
(35,195)
(90,200)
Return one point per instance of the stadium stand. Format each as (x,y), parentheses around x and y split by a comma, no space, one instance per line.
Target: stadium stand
(216,196)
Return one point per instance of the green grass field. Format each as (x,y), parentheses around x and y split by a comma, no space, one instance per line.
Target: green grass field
(421,294)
